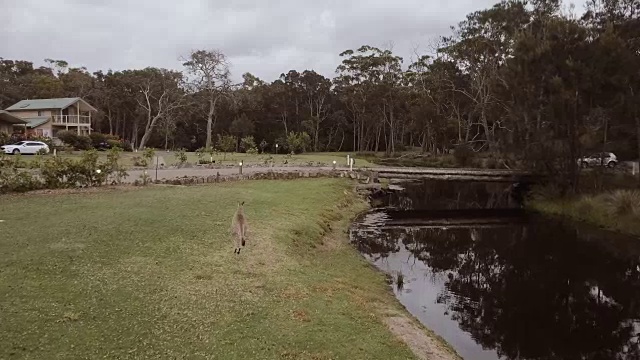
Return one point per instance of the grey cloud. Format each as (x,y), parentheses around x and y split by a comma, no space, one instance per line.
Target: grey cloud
(265,38)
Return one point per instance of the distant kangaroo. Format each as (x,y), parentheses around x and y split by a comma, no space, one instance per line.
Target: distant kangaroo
(239,228)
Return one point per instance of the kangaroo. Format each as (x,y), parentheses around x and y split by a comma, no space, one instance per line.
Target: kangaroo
(239,228)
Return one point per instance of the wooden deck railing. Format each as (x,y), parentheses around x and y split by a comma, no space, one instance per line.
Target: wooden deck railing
(71,120)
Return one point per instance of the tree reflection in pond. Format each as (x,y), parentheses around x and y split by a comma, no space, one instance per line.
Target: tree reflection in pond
(536,290)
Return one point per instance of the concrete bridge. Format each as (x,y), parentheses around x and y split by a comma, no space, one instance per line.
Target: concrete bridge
(454,174)
(439,219)
(511,176)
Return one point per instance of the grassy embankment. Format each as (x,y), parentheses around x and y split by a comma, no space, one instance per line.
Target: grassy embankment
(610,201)
(151,273)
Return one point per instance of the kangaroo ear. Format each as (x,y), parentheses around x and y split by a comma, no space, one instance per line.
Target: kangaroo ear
(242,203)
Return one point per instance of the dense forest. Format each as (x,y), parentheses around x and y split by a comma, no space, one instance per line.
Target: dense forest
(523,77)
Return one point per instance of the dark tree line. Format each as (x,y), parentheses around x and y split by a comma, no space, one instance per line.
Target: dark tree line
(520,78)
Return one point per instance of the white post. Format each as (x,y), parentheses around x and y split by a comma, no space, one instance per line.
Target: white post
(636,168)
(348,162)
(351,164)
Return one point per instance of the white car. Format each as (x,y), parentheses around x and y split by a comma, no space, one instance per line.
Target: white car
(25,147)
(599,159)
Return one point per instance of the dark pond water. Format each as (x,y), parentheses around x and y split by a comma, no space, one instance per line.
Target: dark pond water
(499,283)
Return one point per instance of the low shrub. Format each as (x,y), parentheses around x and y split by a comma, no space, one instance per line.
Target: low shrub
(140,161)
(13,178)
(181,156)
(79,142)
(97,138)
(463,155)
(4,138)
(247,144)
(623,202)
(148,154)
(59,173)
(115,144)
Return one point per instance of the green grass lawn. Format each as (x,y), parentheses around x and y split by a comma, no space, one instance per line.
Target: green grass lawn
(231,158)
(151,273)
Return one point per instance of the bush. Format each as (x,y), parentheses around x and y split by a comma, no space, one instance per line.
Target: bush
(202,152)
(298,142)
(624,202)
(115,144)
(83,143)
(113,168)
(247,143)
(226,143)
(14,179)
(492,163)
(282,145)
(57,172)
(97,138)
(181,156)
(140,161)
(127,146)
(68,137)
(79,142)
(253,151)
(4,138)
(463,155)
(148,155)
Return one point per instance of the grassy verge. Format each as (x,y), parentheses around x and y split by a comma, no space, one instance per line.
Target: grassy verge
(151,273)
(617,210)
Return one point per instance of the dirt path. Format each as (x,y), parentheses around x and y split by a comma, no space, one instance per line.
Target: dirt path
(425,346)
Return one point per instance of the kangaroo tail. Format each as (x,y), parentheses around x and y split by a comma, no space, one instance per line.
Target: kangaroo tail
(243,241)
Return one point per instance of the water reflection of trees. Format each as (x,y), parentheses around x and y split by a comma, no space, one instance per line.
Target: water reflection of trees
(533,291)
(435,194)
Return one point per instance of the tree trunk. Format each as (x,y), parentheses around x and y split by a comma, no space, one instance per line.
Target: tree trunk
(212,107)
(392,129)
(110,122)
(317,131)
(148,131)
(355,126)
(638,135)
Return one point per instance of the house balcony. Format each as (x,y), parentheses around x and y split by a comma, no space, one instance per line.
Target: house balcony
(71,120)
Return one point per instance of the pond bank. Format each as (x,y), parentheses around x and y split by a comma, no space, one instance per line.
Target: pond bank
(498,282)
(617,211)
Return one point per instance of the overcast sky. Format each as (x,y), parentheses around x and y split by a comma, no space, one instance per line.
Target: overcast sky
(264,37)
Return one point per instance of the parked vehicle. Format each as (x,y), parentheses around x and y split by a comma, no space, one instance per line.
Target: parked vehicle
(25,147)
(599,159)
(103,146)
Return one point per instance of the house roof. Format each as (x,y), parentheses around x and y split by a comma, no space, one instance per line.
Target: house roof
(10,118)
(34,122)
(42,104)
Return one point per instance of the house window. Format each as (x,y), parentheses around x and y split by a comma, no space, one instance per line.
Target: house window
(40,112)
